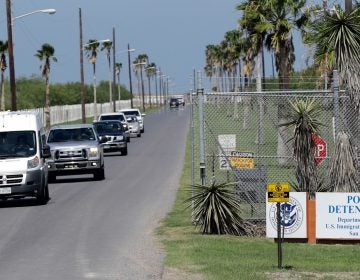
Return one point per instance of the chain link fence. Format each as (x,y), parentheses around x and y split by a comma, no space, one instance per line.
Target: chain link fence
(236,137)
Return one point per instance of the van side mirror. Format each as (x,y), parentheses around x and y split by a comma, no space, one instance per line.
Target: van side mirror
(45,151)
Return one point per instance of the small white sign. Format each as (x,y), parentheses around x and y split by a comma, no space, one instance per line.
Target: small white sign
(227,144)
(292,214)
(338,215)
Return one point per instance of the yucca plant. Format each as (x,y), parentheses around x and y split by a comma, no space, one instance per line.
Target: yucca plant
(343,170)
(305,121)
(216,210)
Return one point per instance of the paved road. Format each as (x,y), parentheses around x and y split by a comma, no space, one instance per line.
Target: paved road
(100,230)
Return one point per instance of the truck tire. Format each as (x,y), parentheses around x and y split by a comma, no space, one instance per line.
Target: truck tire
(99,174)
(124,151)
(51,177)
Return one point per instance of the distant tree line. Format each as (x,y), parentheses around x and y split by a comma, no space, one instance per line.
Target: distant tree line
(31,93)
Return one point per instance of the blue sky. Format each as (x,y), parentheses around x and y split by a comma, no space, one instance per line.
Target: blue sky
(173,34)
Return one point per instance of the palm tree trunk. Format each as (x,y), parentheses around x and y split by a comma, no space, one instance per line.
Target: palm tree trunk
(149,91)
(260,133)
(47,105)
(2,92)
(284,146)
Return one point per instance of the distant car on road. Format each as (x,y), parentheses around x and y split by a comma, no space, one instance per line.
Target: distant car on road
(134,126)
(174,102)
(114,132)
(75,149)
(181,100)
(140,116)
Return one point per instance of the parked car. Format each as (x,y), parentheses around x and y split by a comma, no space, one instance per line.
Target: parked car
(174,102)
(140,116)
(134,127)
(119,117)
(75,149)
(114,132)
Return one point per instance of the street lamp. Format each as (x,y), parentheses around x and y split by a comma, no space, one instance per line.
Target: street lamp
(94,74)
(97,41)
(9,23)
(45,11)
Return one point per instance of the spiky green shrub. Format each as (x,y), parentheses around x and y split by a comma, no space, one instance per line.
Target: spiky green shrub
(305,115)
(216,210)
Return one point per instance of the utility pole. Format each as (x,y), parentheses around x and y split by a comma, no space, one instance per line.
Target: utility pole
(82,86)
(11,56)
(130,82)
(114,70)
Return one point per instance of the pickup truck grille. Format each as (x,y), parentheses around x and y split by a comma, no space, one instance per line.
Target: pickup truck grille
(66,155)
(11,179)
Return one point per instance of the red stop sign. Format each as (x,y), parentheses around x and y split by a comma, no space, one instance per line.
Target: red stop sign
(320,149)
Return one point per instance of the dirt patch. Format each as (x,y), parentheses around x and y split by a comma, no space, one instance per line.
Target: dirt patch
(175,274)
(313,275)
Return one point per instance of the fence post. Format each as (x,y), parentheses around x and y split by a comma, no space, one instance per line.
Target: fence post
(200,93)
(336,103)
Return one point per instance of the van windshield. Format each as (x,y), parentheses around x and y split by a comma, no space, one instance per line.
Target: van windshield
(127,113)
(112,117)
(17,144)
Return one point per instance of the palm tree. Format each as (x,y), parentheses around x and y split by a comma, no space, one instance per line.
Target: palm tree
(118,67)
(150,71)
(277,19)
(304,120)
(139,62)
(3,66)
(214,65)
(107,47)
(46,54)
(92,48)
(256,38)
(337,34)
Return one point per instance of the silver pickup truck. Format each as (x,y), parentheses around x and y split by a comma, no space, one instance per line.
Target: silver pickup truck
(75,149)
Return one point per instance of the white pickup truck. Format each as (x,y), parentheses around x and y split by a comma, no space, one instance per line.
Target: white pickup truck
(75,149)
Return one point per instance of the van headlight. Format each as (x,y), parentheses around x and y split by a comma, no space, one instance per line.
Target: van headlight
(33,163)
(93,152)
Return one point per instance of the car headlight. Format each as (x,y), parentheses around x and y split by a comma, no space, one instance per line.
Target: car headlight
(33,163)
(93,152)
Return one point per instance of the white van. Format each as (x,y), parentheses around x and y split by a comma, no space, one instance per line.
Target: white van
(23,149)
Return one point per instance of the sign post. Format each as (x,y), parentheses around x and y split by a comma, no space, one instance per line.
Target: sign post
(278,193)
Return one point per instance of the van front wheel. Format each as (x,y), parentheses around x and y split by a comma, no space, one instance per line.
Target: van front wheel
(43,197)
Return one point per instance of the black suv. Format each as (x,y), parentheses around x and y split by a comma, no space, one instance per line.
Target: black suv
(174,103)
(114,132)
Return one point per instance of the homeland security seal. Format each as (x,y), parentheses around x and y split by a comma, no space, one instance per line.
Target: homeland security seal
(291,213)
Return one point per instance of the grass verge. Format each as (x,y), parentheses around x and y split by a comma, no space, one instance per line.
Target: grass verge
(230,257)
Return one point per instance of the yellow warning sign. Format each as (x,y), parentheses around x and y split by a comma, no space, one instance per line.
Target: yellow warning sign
(241,160)
(278,192)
